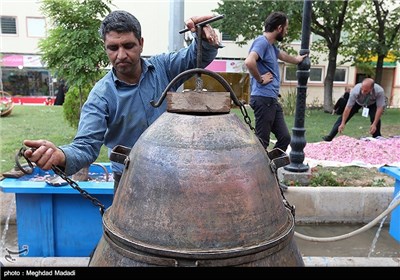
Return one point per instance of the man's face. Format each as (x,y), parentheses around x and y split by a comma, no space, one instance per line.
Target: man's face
(282,31)
(123,51)
(366,88)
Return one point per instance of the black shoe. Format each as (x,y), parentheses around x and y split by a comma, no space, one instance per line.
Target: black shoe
(326,138)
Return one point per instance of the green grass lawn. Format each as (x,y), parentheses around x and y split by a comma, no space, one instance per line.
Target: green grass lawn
(47,122)
(33,122)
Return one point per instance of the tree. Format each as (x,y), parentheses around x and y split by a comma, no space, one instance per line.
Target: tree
(244,19)
(329,26)
(73,49)
(375,32)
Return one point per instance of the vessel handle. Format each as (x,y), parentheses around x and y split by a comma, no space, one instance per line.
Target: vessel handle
(120,154)
(192,72)
(201,24)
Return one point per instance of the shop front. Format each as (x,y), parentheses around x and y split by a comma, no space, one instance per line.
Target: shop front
(26,79)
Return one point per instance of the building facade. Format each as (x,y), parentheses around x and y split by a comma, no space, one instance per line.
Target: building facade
(25,75)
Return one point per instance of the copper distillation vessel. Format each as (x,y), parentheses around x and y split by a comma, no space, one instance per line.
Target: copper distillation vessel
(198,189)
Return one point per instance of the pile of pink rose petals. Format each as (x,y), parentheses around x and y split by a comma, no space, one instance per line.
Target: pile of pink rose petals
(344,149)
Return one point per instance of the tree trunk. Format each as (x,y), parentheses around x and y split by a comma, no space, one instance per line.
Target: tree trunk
(379,69)
(328,83)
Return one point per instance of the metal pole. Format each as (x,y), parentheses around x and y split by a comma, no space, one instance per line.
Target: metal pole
(298,141)
(176,22)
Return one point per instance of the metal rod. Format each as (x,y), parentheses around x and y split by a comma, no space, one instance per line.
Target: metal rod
(203,23)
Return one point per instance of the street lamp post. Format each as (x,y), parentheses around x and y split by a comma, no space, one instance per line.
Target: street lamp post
(298,141)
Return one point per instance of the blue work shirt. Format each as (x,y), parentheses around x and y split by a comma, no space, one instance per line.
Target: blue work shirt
(117,113)
(267,62)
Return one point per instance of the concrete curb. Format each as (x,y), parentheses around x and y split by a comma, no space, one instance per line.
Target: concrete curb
(313,204)
(339,204)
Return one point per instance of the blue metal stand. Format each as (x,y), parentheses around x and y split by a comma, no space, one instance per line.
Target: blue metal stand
(394,228)
(58,221)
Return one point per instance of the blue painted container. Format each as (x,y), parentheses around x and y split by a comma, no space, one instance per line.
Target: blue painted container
(394,228)
(57,221)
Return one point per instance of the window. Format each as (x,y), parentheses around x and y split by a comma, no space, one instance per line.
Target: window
(26,81)
(8,25)
(316,74)
(340,75)
(290,74)
(36,27)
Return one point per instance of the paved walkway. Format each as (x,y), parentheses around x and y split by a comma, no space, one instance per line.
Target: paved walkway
(308,261)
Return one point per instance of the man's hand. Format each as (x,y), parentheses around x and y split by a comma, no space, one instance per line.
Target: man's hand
(300,58)
(208,32)
(45,154)
(372,129)
(341,128)
(266,78)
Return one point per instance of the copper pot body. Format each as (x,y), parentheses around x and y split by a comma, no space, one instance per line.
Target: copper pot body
(197,191)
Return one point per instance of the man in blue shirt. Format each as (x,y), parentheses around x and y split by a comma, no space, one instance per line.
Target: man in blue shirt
(262,63)
(118,108)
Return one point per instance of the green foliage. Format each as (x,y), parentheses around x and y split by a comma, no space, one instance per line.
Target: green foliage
(322,178)
(366,68)
(315,104)
(288,101)
(244,20)
(379,182)
(73,49)
(328,26)
(373,31)
(72,104)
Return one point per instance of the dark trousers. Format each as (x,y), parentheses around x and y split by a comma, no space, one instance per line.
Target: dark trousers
(117,178)
(354,110)
(269,118)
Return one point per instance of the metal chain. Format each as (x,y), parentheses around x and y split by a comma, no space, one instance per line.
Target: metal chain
(247,120)
(292,208)
(246,117)
(75,186)
(59,172)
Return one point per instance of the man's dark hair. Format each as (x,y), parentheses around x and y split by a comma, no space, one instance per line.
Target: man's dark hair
(121,22)
(274,20)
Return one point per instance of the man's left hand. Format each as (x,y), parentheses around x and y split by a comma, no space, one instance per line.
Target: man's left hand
(208,32)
